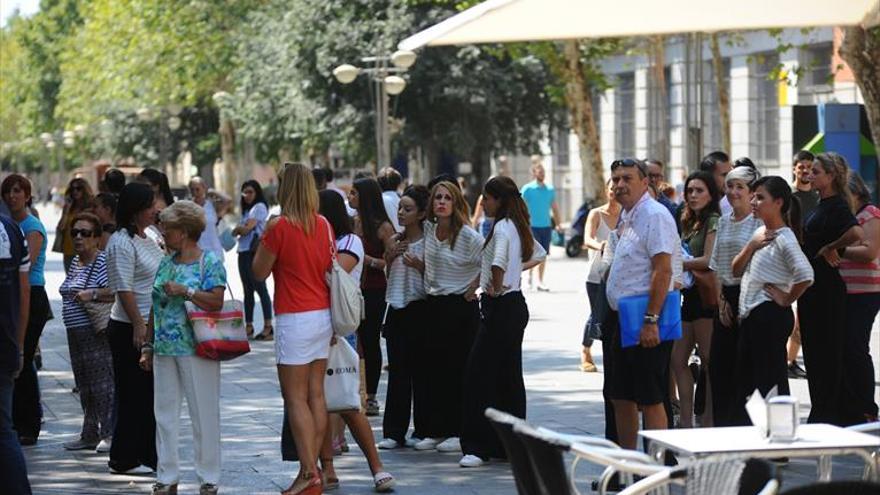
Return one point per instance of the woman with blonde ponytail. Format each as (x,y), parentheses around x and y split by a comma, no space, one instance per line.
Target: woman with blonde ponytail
(829,229)
(493,376)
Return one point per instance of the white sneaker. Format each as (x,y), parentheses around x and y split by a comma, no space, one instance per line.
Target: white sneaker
(411,442)
(471,461)
(428,443)
(451,444)
(388,444)
(104,446)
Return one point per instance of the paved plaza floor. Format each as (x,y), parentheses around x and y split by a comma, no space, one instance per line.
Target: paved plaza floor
(560,396)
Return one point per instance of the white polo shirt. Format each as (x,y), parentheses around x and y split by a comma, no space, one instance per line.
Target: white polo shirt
(646,230)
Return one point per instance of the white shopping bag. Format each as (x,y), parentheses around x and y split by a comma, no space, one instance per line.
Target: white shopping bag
(342,381)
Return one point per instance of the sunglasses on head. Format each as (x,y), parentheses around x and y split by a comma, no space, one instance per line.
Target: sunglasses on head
(84,233)
(630,162)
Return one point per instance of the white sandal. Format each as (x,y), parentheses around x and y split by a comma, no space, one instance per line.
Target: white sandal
(383,482)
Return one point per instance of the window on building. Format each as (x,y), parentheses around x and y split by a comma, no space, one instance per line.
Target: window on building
(764,109)
(712,138)
(625,115)
(816,73)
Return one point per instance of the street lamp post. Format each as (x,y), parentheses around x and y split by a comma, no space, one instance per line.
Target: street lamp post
(386,82)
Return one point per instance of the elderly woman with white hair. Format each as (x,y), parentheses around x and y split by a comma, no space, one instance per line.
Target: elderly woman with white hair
(188,274)
(734,231)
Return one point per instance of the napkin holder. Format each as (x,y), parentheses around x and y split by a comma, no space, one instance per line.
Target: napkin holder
(774,416)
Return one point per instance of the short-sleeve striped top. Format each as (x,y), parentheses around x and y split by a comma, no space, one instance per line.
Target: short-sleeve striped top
(862,278)
(781,263)
(132,262)
(450,271)
(730,238)
(406,284)
(81,277)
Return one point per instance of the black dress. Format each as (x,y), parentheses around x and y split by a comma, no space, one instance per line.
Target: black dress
(822,310)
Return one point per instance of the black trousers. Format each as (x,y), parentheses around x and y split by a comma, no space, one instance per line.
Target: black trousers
(761,354)
(723,371)
(27,412)
(134,439)
(249,285)
(368,336)
(400,400)
(442,352)
(822,316)
(858,368)
(494,375)
(607,363)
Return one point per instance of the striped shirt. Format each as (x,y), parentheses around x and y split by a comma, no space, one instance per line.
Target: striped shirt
(505,251)
(132,263)
(81,277)
(862,278)
(781,263)
(730,238)
(450,271)
(406,284)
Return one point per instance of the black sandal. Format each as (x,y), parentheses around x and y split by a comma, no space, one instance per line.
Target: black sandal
(266,336)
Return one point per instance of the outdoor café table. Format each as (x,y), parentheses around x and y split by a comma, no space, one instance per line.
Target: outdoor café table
(813,440)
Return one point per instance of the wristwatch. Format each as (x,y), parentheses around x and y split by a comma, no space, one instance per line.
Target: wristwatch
(651,319)
(190,292)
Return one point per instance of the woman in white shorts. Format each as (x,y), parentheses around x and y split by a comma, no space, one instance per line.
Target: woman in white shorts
(296,250)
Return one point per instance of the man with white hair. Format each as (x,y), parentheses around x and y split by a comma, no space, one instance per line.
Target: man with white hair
(210,239)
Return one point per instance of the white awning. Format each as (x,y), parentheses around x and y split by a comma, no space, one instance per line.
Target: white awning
(502,21)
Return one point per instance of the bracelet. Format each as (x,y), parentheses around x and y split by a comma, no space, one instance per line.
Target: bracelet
(147,346)
(190,293)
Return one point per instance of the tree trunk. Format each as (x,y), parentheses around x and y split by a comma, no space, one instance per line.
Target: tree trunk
(861,51)
(659,98)
(227,151)
(579,100)
(723,96)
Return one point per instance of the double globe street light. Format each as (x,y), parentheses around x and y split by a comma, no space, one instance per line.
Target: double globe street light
(387,82)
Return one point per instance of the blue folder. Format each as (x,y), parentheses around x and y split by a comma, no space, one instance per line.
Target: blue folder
(632,311)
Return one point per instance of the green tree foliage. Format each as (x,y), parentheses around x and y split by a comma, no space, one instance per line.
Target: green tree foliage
(467,101)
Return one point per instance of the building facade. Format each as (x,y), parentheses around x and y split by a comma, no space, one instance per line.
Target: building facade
(638,119)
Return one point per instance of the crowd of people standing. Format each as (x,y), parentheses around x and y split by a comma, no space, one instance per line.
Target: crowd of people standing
(734,257)
(731,261)
(138,255)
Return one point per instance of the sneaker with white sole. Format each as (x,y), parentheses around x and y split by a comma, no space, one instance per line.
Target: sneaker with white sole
(104,446)
(135,471)
(469,461)
(411,442)
(428,443)
(387,444)
(451,444)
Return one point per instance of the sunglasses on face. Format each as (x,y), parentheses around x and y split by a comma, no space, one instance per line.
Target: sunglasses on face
(76,188)
(86,234)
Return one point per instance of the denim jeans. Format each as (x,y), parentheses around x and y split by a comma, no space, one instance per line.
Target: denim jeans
(13,470)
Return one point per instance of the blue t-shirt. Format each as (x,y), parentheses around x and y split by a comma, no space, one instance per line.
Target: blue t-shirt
(33,224)
(539,199)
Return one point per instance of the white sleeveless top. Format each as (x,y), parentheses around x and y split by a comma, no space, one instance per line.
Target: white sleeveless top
(595,266)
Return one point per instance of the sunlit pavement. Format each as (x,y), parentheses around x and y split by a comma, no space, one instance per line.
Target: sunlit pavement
(560,396)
